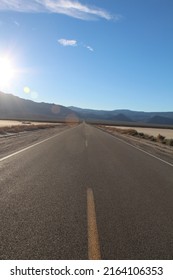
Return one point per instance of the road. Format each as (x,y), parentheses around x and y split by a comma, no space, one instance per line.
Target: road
(84,194)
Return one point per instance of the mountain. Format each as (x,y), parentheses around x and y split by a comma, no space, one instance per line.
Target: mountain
(89,114)
(161,120)
(13,107)
(165,118)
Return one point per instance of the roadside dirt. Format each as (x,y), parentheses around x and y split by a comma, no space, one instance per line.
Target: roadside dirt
(168,133)
(155,148)
(17,141)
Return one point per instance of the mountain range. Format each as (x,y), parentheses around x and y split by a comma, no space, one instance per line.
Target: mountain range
(13,107)
(162,118)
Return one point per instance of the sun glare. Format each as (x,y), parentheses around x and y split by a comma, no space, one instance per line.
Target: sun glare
(7,71)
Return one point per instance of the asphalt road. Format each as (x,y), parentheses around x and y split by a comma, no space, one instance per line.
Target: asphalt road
(85,194)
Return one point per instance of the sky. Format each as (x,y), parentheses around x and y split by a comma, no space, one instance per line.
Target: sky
(97,54)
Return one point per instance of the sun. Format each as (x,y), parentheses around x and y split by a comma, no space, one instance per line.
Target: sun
(7,71)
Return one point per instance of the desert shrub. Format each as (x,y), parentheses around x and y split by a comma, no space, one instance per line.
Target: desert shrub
(14,129)
(160,138)
(164,141)
(147,136)
(20,128)
(141,134)
(111,129)
(170,142)
(152,138)
(2,131)
(133,132)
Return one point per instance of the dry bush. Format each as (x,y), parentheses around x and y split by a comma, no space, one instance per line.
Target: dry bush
(141,135)
(160,138)
(21,128)
(152,138)
(2,130)
(169,142)
(129,131)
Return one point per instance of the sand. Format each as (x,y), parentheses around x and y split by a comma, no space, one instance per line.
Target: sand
(168,133)
(4,123)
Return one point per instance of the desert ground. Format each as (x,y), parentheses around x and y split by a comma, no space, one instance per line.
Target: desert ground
(4,123)
(168,133)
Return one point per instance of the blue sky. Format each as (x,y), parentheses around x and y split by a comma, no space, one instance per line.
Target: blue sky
(100,54)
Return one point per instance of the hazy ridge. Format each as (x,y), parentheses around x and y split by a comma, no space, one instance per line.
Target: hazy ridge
(13,107)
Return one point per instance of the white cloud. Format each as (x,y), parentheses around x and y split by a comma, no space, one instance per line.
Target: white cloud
(74,43)
(65,42)
(16,23)
(76,9)
(71,8)
(89,48)
(21,5)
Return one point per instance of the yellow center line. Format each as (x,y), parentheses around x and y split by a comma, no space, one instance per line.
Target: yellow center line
(93,237)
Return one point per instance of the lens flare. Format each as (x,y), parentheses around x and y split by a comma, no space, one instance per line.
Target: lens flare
(26,90)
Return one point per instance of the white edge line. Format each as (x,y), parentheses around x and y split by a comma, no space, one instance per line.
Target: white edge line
(31,146)
(123,141)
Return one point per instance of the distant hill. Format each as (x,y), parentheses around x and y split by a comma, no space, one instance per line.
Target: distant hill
(117,115)
(13,107)
(160,120)
(165,118)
